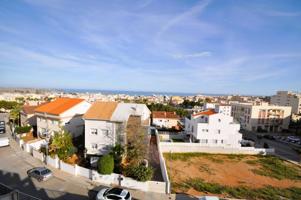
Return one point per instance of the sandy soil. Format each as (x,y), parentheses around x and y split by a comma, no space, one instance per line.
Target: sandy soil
(230,172)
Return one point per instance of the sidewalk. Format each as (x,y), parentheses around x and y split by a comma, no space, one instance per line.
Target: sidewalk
(78,180)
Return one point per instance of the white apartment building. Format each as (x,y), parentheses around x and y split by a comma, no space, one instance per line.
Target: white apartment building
(287,98)
(224,109)
(213,129)
(61,113)
(162,119)
(265,117)
(105,124)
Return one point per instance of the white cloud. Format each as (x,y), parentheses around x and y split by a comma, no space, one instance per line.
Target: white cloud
(193,55)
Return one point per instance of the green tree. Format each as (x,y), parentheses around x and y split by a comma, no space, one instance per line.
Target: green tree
(117,153)
(106,164)
(61,145)
(15,114)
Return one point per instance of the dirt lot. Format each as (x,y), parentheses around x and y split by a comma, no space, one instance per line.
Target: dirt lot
(225,170)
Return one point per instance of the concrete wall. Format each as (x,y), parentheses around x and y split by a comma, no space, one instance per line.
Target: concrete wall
(67,168)
(38,155)
(195,147)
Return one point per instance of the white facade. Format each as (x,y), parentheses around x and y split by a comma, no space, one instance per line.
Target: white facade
(287,98)
(208,106)
(165,122)
(224,109)
(265,117)
(71,120)
(102,135)
(214,130)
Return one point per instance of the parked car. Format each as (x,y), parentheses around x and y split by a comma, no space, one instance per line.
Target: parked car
(40,173)
(270,137)
(293,139)
(4,141)
(113,194)
(208,198)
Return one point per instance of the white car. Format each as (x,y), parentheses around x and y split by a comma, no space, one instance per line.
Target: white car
(208,198)
(4,141)
(113,194)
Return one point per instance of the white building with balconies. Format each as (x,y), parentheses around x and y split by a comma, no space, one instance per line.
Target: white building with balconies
(213,129)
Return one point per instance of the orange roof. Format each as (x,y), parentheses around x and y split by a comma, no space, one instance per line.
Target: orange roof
(163,114)
(207,112)
(28,109)
(101,111)
(58,106)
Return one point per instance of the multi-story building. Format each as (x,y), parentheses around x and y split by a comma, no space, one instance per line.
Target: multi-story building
(61,113)
(162,119)
(213,129)
(262,117)
(223,108)
(287,98)
(27,116)
(105,124)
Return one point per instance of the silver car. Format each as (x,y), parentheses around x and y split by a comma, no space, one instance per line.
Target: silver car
(40,173)
(113,194)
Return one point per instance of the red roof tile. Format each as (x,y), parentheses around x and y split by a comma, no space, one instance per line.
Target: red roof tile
(58,106)
(163,114)
(207,112)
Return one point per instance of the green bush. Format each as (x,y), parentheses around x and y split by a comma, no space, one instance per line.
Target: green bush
(106,164)
(139,172)
(22,129)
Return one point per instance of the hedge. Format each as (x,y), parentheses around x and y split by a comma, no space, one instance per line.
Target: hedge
(106,164)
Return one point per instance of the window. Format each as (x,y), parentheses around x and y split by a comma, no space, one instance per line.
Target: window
(222,141)
(93,131)
(219,131)
(105,132)
(219,120)
(207,130)
(94,146)
(214,141)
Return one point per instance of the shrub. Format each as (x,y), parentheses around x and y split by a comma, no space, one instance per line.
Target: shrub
(106,164)
(139,172)
(22,129)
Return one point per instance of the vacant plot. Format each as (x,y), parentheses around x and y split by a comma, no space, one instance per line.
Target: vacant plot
(238,176)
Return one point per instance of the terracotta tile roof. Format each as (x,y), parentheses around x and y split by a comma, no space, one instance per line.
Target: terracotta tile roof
(207,112)
(101,111)
(163,114)
(58,106)
(28,109)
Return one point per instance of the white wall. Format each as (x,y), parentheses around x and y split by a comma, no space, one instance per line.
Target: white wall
(104,141)
(164,122)
(167,147)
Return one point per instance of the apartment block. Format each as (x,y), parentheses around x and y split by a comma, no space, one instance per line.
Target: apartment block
(288,98)
(61,113)
(213,129)
(263,117)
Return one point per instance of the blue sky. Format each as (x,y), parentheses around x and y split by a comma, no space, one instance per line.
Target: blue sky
(207,46)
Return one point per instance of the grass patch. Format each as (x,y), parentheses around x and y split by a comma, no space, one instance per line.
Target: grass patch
(205,168)
(187,156)
(236,157)
(267,193)
(277,168)
(252,162)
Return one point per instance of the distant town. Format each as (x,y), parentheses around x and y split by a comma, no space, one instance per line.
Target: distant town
(134,141)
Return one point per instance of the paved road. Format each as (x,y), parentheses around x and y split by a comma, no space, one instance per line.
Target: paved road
(282,149)
(13,168)
(15,162)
